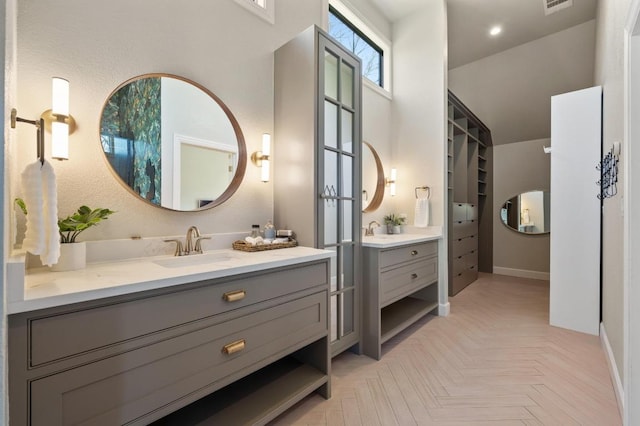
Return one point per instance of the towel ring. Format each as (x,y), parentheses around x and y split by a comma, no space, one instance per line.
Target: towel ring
(423,188)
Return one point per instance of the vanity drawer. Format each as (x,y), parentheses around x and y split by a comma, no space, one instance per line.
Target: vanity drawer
(67,334)
(464,229)
(400,282)
(408,253)
(472,212)
(143,385)
(464,245)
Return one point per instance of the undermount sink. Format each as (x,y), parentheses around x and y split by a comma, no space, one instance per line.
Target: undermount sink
(194,259)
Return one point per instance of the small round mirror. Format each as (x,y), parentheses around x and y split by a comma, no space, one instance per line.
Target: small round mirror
(372,179)
(172,142)
(528,213)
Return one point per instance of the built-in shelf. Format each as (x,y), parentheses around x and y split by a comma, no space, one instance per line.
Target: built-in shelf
(398,316)
(252,400)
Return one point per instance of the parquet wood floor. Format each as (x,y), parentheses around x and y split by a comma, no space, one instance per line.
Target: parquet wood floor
(494,360)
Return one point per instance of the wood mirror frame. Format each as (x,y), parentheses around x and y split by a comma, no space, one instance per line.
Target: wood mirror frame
(241,160)
(378,195)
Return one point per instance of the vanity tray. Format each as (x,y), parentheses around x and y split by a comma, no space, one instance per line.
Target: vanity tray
(245,246)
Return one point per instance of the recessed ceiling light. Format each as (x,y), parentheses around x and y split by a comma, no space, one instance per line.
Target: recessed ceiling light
(494,31)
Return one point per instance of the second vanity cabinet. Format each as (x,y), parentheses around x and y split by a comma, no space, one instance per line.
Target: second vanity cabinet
(237,350)
(400,287)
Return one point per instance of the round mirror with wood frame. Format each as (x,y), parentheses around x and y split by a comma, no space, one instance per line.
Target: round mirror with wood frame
(376,181)
(172,142)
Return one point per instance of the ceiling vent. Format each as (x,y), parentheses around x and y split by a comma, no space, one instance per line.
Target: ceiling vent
(552,6)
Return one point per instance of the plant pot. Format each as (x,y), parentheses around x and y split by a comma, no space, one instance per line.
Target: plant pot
(389,229)
(397,229)
(72,256)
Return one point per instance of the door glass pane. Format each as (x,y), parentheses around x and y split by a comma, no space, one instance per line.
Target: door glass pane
(346,254)
(330,173)
(330,75)
(347,85)
(347,176)
(330,222)
(330,124)
(334,269)
(347,221)
(334,318)
(347,131)
(347,325)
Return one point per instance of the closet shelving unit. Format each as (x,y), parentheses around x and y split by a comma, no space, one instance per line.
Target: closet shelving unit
(469,184)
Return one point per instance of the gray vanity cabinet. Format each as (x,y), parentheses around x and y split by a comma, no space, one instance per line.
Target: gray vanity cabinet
(231,351)
(317,160)
(401,286)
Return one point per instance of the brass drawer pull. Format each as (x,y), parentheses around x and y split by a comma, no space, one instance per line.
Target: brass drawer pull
(414,252)
(233,347)
(234,296)
(414,276)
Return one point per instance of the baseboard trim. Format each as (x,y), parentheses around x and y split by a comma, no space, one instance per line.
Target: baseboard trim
(613,369)
(522,273)
(444,309)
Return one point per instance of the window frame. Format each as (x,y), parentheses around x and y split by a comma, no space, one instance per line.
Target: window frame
(265,9)
(358,23)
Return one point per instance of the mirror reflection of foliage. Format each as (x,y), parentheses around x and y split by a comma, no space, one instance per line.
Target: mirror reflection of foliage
(133,113)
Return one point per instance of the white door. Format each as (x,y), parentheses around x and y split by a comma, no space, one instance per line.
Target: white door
(576,123)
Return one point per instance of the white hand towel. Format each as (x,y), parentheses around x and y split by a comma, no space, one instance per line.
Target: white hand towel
(40,197)
(421,219)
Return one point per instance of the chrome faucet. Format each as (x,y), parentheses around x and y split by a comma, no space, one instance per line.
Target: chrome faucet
(369,231)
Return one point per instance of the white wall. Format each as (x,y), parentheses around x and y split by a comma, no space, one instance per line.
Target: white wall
(519,167)
(218,44)
(511,90)
(609,73)
(419,116)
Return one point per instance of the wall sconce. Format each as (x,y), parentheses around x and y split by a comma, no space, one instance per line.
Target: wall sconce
(261,158)
(57,120)
(391,182)
(525,219)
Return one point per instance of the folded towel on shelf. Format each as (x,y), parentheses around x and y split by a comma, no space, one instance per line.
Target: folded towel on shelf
(40,196)
(421,217)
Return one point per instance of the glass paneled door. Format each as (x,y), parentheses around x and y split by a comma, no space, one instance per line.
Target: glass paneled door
(338,183)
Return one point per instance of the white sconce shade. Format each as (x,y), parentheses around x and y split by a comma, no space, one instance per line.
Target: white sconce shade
(266,151)
(59,140)
(392,182)
(261,158)
(60,96)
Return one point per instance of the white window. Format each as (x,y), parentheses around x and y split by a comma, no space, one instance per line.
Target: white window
(373,49)
(263,8)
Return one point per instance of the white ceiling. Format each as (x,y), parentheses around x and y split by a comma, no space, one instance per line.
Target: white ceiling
(469,22)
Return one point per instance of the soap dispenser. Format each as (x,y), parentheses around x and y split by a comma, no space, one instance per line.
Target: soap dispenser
(269,230)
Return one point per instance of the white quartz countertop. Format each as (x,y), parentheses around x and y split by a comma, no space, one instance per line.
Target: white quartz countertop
(45,289)
(395,240)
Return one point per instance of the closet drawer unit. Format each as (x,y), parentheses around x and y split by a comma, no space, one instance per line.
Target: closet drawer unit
(408,253)
(162,376)
(459,265)
(459,212)
(465,245)
(72,333)
(470,260)
(472,212)
(399,282)
(464,229)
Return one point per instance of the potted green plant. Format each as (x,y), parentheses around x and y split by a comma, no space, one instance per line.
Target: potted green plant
(394,223)
(73,254)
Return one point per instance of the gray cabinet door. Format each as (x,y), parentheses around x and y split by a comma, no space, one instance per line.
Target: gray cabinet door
(338,183)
